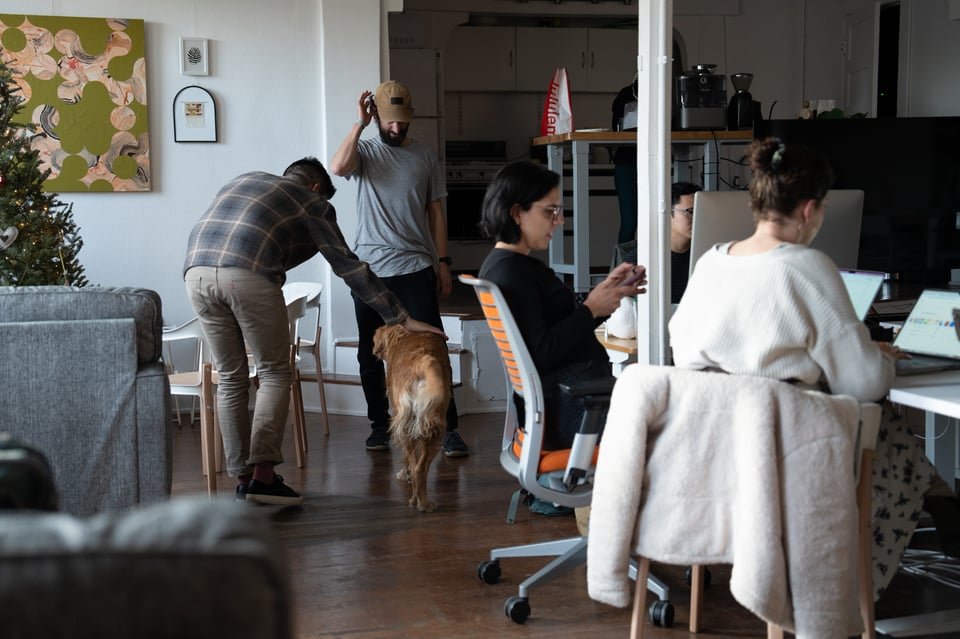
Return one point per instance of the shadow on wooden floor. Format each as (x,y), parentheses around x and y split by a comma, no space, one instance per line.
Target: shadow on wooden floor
(364,564)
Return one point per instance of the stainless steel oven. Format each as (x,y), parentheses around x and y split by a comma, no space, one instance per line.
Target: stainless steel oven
(470,167)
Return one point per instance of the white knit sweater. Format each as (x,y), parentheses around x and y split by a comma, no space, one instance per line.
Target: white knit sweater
(783,314)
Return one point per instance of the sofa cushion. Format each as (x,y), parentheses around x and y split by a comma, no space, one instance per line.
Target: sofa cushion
(42,303)
(78,406)
(191,568)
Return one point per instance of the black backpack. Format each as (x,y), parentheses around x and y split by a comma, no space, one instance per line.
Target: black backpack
(26,479)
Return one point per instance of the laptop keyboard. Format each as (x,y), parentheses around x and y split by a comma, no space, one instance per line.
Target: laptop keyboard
(924,364)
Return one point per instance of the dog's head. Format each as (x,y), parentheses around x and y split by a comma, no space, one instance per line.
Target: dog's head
(385,338)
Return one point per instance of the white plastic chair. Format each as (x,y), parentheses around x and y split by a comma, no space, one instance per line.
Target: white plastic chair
(296,309)
(310,343)
(198,382)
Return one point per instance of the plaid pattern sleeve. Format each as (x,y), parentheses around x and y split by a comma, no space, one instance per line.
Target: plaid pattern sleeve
(322,222)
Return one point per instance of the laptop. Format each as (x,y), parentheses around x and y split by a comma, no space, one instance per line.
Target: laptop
(862,286)
(929,334)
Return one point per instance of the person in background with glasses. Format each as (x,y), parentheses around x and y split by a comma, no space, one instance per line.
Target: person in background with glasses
(681,231)
(522,209)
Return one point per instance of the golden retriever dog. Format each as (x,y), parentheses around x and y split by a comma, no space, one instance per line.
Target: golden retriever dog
(418,385)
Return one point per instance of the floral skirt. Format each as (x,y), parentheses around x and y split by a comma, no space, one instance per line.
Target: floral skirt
(901,476)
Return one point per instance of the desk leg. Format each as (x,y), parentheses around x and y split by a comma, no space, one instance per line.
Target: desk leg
(711,166)
(619,360)
(556,254)
(941,445)
(581,216)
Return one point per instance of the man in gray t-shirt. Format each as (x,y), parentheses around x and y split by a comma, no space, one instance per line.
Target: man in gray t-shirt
(401,234)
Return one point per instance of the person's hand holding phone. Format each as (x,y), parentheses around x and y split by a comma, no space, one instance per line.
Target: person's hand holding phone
(626,280)
(639,277)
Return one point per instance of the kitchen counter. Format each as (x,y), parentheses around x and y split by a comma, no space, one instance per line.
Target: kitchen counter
(580,142)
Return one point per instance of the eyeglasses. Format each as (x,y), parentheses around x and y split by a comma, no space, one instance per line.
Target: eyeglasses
(688,212)
(555,212)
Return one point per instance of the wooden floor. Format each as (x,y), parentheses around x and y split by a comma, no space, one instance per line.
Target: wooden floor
(364,564)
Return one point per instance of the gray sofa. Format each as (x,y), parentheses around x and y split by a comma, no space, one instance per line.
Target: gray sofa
(189,568)
(83,381)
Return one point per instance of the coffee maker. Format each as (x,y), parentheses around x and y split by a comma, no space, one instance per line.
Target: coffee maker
(701,99)
(743,110)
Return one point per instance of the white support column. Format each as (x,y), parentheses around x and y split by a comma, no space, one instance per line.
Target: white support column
(654,70)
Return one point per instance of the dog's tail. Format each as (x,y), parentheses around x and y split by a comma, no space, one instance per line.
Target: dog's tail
(425,398)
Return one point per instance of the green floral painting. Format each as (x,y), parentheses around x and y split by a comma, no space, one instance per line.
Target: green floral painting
(84,84)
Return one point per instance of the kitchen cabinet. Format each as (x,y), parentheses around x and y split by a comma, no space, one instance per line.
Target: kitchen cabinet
(481,59)
(541,50)
(597,60)
(611,59)
(523,58)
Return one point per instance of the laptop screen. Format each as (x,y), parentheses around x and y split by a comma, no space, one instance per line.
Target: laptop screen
(930,329)
(862,286)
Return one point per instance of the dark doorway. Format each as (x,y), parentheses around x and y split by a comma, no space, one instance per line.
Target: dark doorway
(888,60)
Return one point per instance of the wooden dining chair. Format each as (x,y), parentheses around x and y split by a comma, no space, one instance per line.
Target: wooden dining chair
(197,381)
(309,340)
(702,467)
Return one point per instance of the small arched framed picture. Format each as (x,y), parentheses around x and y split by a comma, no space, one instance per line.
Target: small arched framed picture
(194,115)
(193,56)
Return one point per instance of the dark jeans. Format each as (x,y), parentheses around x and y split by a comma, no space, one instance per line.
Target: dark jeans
(625,181)
(418,294)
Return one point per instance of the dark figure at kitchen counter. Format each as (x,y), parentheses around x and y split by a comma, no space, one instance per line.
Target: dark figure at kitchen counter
(521,211)
(401,233)
(625,162)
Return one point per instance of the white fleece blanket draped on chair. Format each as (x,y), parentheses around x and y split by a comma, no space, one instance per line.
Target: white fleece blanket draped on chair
(705,468)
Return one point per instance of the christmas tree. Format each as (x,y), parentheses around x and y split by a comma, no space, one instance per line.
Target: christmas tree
(39,240)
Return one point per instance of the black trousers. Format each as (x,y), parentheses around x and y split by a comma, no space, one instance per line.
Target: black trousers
(418,294)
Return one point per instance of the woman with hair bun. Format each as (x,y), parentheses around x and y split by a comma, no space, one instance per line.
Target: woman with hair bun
(771,306)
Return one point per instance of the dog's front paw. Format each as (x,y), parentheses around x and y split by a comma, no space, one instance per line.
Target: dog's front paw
(404,474)
(425,506)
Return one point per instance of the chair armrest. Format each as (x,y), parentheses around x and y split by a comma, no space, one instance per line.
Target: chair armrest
(596,398)
(590,387)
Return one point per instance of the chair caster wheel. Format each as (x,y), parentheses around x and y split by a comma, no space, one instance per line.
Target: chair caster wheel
(661,614)
(517,608)
(707,577)
(489,572)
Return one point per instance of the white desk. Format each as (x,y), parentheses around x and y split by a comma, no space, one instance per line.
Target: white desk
(580,142)
(938,394)
(622,352)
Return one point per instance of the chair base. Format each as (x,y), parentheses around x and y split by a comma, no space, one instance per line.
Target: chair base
(569,553)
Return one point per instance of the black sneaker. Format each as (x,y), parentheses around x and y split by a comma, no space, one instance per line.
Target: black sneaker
(379,439)
(276,493)
(241,492)
(454,446)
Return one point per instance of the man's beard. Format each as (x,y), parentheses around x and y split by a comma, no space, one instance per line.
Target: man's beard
(390,138)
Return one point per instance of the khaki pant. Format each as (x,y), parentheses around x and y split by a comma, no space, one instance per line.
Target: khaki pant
(240,309)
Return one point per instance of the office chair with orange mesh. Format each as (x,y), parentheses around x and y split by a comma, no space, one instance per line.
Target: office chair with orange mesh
(563,477)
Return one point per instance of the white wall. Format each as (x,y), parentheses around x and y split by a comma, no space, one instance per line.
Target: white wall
(275,104)
(286,76)
(931,72)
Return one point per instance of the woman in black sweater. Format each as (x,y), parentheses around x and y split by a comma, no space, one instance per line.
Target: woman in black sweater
(521,210)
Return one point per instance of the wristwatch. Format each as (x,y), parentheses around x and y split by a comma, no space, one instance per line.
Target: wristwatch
(446,260)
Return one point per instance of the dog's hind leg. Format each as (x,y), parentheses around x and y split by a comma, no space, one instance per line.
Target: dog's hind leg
(404,472)
(419,468)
